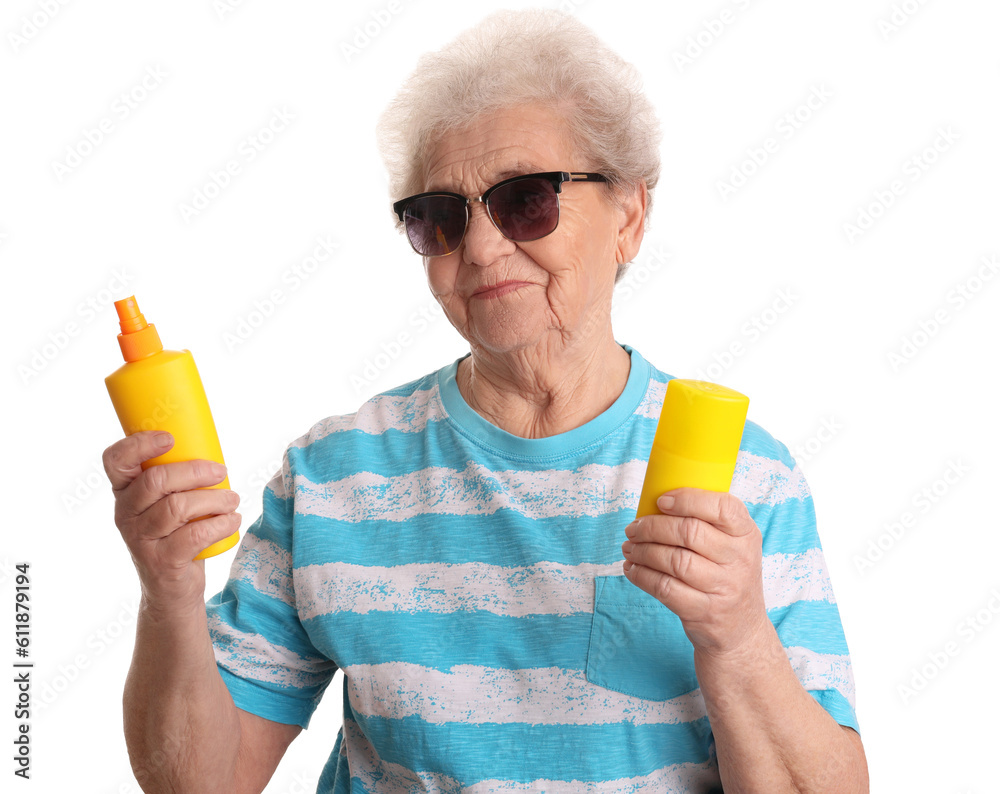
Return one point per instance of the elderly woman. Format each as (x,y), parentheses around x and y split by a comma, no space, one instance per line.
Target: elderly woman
(461,546)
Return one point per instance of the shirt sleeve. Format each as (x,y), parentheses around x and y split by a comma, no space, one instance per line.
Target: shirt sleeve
(798,593)
(263,652)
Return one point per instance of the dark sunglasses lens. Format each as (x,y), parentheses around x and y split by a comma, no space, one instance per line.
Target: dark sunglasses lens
(525,209)
(435,224)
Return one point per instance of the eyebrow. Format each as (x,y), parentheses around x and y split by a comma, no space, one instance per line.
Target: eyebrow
(516,169)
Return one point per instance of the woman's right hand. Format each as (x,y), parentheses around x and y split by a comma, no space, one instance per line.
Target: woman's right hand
(153,511)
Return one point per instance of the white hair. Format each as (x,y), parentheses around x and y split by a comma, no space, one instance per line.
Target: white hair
(513,58)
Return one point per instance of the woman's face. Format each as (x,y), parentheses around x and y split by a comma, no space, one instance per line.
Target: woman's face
(562,283)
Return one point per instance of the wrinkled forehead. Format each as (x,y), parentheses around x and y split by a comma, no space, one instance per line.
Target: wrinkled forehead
(492,148)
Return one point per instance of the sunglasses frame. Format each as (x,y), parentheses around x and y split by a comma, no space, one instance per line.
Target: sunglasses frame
(555,178)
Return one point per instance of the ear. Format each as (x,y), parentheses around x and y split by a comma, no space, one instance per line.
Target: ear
(633,224)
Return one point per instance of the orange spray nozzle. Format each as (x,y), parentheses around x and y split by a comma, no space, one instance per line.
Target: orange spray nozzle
(138,338)
(129,316)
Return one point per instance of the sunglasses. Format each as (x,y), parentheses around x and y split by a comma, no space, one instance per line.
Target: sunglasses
(523,208)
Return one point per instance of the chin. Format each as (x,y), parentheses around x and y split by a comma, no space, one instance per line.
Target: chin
(501,341)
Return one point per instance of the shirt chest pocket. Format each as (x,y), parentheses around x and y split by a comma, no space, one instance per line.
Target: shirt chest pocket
(637,646)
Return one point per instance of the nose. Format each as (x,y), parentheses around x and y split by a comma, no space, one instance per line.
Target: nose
(483,243)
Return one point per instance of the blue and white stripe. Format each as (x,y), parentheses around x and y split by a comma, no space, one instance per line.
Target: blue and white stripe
(449,569)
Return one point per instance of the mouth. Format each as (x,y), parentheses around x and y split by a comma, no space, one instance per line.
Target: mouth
(496,290)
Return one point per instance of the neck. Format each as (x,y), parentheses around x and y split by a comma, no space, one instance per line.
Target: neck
(536,394)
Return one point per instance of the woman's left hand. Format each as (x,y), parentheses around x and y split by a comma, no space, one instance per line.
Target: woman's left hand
(702,559)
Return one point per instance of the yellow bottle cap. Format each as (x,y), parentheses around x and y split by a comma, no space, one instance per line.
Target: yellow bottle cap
(697,440)
(701,421)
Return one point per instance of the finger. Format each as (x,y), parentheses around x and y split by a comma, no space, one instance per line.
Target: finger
(685,531)
(677,562)
(159,481)
(189,541)
(680,598)
(123,458)
(722,510)
(177,509)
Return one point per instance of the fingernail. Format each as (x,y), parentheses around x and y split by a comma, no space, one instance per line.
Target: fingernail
(627,567)
(632,529)
(218,470)
(163,440)
(665,502)
(627,547)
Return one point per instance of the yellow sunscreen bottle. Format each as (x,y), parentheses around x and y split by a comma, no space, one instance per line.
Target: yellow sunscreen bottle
(159,389)
(696,442)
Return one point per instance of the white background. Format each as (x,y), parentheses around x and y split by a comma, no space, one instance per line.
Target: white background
(870,431)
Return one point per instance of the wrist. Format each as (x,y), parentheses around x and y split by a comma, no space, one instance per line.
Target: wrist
(171,608)
(176,599)
(757,648)
(739,683)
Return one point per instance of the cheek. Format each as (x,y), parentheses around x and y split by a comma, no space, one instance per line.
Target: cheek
(582,253)
(442,274)
(588,231)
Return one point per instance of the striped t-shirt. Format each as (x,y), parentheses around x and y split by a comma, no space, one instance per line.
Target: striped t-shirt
(469,584)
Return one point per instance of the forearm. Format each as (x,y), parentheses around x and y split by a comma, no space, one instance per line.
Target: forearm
(770,734)
(181,725)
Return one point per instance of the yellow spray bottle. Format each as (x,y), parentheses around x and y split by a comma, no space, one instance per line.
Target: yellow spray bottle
(159,389)
(696,442)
